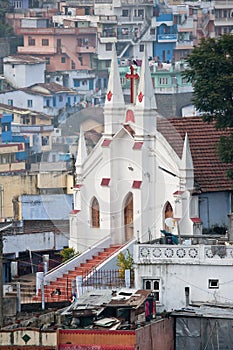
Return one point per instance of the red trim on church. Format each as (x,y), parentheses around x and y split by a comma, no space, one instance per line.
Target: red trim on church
(105,182)
(196,220)
(106,143)
(75,211)
(178,193)
(136,184)
(137,145)
(129,116)
(78,186)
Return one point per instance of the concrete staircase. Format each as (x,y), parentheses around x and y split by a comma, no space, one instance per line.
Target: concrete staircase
(61,288)
(25,285)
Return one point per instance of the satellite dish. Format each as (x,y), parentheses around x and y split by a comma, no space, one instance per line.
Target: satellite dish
(170,222)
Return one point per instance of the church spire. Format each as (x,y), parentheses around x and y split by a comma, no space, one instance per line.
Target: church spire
(145,101)
(81,155)
(114,102)
(187,169)
(146,97)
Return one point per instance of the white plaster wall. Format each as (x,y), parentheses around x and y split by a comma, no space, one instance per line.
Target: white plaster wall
(177,273)
(34,242)
(20,100)
(24,75)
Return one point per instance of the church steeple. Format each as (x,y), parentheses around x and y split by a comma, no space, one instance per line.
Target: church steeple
(187,169)
(145,101)
(81,156)
(114,108)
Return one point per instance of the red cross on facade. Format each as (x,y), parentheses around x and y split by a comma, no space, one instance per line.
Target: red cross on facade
(132,76)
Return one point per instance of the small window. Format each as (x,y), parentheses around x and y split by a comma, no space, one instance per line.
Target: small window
(125,13)
(108,47)
(152,31)
(31,42)
(154,285)
(141,48)
(141,13)
(213,284)
(76,83)
(29,103)
(45,42)
(10,102)
(163,81)
(60,98)
(45,140)
(47,59)
(63,59)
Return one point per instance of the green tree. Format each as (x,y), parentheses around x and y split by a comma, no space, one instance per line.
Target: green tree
(5,29)
(124,262)
(210,68)
(67,253)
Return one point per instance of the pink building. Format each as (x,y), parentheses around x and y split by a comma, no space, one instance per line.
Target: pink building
(68,48)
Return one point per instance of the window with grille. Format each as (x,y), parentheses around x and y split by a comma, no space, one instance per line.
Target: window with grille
(31,41)
(154,285)
(45,42)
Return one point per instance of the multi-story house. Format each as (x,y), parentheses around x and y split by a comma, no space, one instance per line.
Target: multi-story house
(50,99)
(223,12)
(68,46)
(23,71)
(166,33)
(185,31)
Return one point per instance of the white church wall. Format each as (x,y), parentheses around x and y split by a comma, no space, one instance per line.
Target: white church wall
(186,274)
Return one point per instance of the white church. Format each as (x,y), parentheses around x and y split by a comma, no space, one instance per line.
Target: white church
(133,184)
(126,187)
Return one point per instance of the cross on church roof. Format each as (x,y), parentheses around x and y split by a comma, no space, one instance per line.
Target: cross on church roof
(132,76)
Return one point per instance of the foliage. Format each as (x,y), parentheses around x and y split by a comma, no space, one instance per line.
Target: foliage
(211,71)
(67,253)
(125,262)
(5,29)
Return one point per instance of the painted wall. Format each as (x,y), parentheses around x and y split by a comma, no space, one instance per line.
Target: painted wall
(49,105)
(214,209)
(46,207)
(11,187)
(23,75)
(34,242)
(186,269)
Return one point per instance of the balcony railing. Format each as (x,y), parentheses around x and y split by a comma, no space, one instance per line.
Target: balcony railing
(167,37)
(181,254)
(137,2)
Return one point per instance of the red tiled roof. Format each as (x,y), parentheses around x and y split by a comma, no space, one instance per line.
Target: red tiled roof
(209,171)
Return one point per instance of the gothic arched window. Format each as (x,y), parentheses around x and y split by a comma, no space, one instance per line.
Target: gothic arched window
(95,213)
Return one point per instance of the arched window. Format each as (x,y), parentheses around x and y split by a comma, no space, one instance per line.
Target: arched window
(168,213)
(95,213)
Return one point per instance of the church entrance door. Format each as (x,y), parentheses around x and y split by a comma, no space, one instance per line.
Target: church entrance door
(128,217)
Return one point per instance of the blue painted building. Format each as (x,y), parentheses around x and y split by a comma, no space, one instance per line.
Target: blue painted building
(166,34)
(7,136)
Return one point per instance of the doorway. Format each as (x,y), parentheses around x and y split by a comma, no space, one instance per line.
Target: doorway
(128,217)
